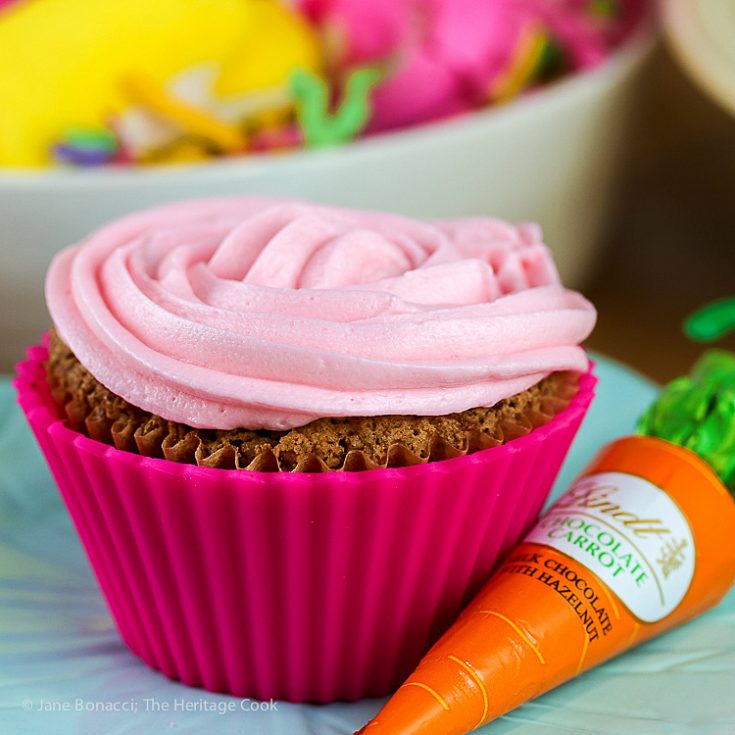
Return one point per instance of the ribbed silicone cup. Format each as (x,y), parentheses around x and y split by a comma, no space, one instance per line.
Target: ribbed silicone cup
(304,587)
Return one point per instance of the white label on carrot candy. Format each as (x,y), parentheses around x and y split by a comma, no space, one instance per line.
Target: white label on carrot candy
(630,533)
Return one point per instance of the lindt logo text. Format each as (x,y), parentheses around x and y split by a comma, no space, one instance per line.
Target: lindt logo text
(589,494)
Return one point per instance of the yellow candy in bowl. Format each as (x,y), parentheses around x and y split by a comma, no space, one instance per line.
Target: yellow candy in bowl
(83,63)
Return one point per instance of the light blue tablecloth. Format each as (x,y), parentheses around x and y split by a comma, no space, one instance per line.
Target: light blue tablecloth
(59,649)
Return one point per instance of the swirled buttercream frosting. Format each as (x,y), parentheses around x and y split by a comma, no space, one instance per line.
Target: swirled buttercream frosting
(268,314)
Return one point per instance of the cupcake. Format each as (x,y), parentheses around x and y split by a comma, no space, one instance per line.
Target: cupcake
(295,439)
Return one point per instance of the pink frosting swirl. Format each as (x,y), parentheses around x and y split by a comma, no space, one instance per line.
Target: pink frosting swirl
(262,313)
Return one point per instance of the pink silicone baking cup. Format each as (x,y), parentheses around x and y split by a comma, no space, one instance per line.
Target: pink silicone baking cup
(304,587)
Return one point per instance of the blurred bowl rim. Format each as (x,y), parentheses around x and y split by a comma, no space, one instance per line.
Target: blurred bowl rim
(624,57)
(703,45)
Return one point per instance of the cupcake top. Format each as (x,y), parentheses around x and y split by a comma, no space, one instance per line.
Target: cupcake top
(269,314)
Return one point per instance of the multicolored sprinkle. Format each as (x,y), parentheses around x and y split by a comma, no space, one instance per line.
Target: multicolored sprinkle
(87,147)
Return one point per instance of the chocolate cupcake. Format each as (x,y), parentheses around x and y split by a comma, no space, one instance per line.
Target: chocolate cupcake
(388,401)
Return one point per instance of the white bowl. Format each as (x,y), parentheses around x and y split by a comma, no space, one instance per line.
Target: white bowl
(701,35)
(549,157)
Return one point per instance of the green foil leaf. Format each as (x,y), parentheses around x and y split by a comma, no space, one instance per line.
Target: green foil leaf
(697,411)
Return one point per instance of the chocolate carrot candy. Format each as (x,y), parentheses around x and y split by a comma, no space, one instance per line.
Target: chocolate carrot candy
(640,543)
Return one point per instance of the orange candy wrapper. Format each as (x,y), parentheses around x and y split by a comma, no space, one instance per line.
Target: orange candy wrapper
(641,542)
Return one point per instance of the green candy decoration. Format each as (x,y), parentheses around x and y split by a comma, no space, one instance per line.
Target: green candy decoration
(698,411)
(321,127)
(712,321)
